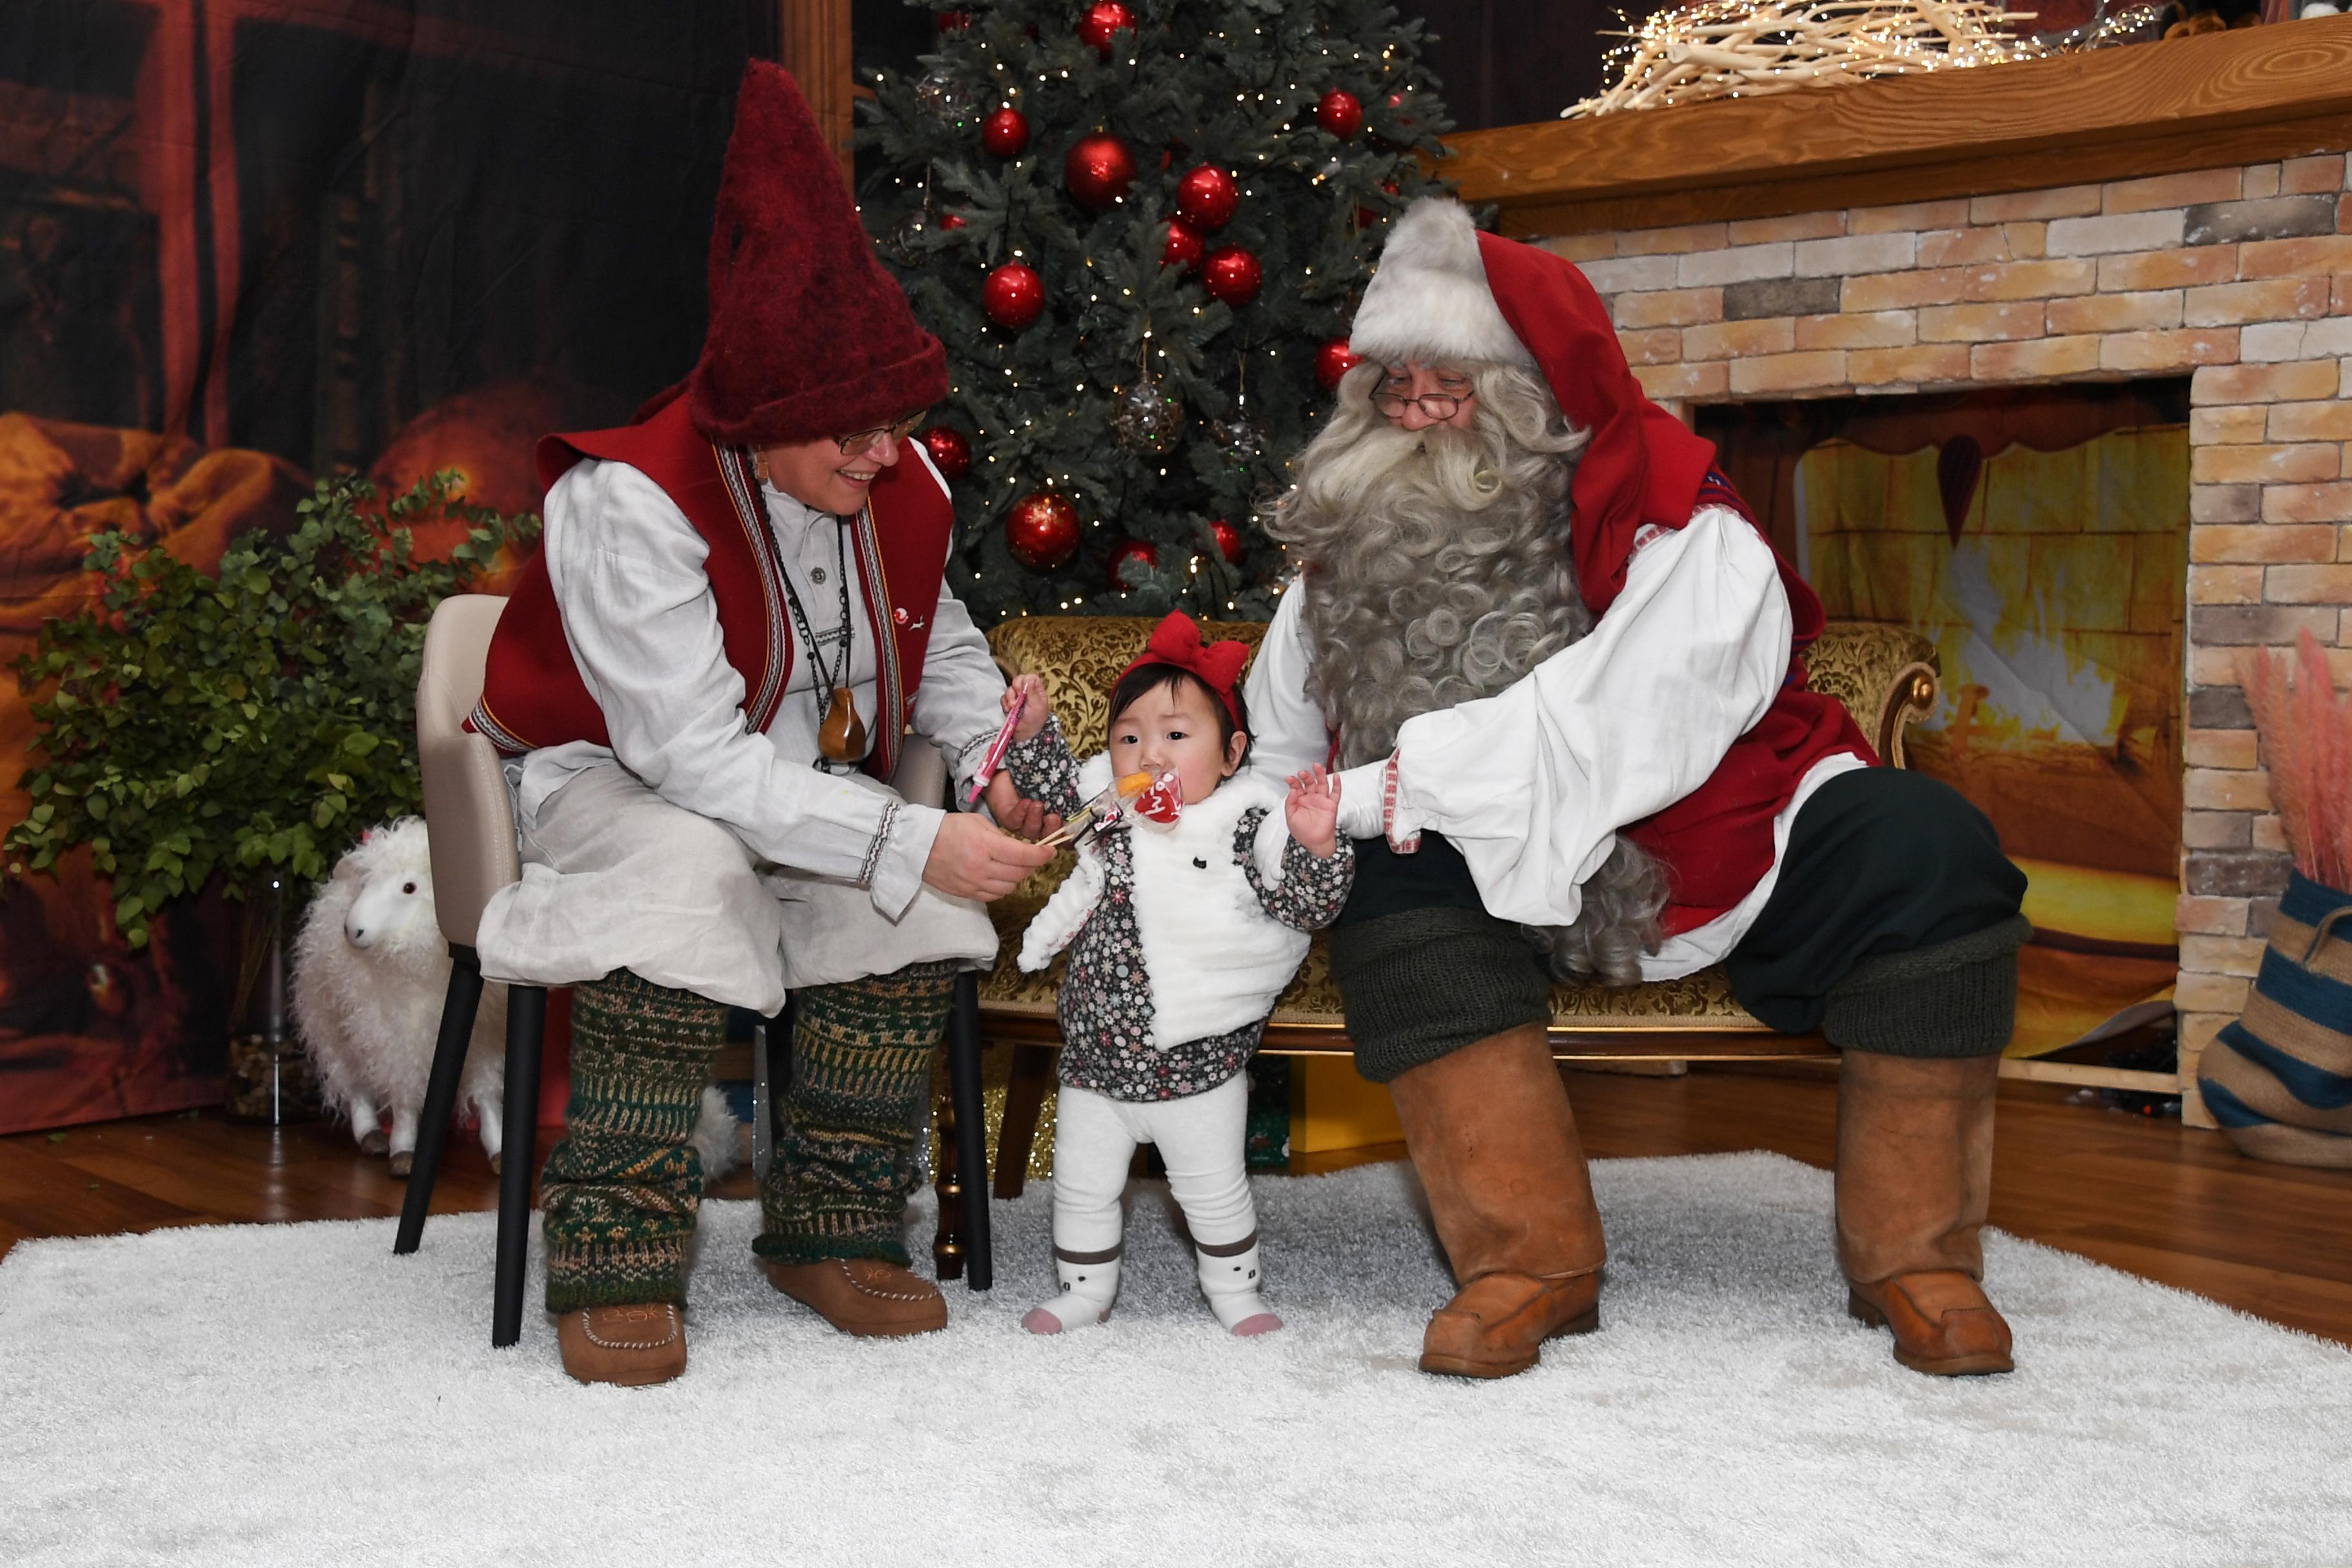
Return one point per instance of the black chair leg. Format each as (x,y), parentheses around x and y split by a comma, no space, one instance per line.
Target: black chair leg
(458,1006)
(526,1031)
(971,1140)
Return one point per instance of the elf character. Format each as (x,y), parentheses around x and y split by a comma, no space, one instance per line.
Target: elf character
(701,681)
(1561,665)
(1184,921)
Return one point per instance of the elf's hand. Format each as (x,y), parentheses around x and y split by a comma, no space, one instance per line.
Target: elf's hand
(1027,692)
(1312,812)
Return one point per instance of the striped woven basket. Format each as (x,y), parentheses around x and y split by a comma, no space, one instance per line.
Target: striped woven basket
(2279,1080)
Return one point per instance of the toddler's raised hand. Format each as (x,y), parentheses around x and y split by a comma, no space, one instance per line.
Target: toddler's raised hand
(1029,692)
(1312,812)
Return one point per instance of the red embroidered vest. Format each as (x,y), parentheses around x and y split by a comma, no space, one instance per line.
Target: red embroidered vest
(532,695)
(1715,842)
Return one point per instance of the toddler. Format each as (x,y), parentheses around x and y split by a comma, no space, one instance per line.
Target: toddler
(1182,934)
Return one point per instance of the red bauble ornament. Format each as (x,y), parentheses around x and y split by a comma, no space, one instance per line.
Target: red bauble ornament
(1333,361)
(1206,197)
(1042,530)
(950,452)
(1006,132)
(1341,113)
(1229,540)
(1098,170)
(1101,20)
(1233,275)
(1129,549)
(1184,245)
(950,220)
(951,21)
(1014,296)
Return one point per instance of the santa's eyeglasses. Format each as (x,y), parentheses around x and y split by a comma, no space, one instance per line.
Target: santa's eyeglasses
(1391,395)
(866,441)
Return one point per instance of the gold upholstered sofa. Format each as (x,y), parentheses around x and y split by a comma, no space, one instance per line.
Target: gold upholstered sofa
(1885,675)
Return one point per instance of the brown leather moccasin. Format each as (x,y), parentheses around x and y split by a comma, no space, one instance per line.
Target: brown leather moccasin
(863,1296)
(1497,1325)
(1943,1324)
(631,1346)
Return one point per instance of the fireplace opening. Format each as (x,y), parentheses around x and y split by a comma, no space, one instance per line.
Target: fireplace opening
(2039,537)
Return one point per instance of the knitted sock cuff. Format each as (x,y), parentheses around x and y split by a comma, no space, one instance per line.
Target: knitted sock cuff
(826,1241)
(1425,983)
(616,1274)
(1958,998)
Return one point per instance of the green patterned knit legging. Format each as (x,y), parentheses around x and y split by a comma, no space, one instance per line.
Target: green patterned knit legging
(621,1190)
(619,1193)
(845,1153)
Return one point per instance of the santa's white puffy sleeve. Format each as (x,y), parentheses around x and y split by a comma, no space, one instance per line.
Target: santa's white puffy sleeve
(1532,784)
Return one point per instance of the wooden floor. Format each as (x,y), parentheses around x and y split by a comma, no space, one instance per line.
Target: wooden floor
(2153,1198)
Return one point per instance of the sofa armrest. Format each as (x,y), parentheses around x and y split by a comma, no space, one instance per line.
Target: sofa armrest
(1885,676)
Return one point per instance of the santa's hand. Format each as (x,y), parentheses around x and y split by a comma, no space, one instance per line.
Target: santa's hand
(1312,812)
(1363,812)
(972,858)
(1015,813)
(1028,691)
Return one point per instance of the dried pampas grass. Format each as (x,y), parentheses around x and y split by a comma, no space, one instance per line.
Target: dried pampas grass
(2306,737)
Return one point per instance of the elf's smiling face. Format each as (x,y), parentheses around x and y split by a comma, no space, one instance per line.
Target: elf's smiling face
(1175,726)
(818,474)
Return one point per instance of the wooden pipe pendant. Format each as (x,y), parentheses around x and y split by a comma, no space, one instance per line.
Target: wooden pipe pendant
(842,736)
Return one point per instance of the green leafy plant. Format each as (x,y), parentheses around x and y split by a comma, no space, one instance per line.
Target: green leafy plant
(249,722)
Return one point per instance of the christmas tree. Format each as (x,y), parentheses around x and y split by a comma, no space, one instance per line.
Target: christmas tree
(1142,231)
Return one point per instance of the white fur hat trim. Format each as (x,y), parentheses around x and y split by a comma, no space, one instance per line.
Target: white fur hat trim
(1429,299)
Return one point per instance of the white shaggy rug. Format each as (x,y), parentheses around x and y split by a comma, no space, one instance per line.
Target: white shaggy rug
(295,1394)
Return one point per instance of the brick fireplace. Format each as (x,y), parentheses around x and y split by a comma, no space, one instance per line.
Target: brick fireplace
(2168,247)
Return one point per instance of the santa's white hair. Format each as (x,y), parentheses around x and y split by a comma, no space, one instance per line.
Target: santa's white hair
(1437,571)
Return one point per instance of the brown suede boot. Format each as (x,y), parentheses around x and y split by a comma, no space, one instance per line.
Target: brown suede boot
(632,1346)
(1490,1131)
(1913,1182)
(862,1296)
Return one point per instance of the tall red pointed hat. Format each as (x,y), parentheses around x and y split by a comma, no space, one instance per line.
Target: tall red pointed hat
(809,336)
(1446,293)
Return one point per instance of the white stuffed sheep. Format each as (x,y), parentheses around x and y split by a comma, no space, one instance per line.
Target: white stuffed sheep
(371,971)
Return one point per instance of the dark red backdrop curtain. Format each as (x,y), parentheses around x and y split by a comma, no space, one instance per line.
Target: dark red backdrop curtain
(246,242)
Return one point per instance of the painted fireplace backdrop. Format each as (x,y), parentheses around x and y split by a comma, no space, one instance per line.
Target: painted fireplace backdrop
(247,242)
(2039,537)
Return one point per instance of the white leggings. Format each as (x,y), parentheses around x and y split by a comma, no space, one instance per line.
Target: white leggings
(1201,1142)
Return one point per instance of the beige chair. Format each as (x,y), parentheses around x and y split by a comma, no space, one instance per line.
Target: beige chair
(475,854)
(471,818)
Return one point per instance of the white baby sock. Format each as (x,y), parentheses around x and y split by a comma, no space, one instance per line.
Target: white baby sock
(1229,1279)
(1087,1290)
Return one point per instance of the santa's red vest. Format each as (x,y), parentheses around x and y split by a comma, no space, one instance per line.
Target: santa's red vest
(532,695)
(1716,842)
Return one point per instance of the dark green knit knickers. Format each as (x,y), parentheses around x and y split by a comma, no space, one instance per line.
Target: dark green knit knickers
(1893,926)
(620,1191)
(846,1152)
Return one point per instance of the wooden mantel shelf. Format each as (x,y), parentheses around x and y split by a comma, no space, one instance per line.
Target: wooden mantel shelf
(2241,96)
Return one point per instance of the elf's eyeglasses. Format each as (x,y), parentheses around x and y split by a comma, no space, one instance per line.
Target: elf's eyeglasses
(1391,396)
(866,441)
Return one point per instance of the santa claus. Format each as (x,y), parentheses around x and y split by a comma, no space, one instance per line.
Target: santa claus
(1563,668)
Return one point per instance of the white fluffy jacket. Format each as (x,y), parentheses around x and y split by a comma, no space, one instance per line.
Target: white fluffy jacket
(1216,959)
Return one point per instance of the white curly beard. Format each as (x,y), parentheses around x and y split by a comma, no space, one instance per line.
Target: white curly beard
(1437,571)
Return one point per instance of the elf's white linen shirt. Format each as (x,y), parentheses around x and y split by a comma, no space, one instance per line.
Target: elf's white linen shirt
(638,613)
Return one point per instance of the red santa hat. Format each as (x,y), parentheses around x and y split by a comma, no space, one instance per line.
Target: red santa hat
(1446,294)
(809,336)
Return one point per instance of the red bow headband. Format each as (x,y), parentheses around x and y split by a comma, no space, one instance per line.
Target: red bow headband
(1177,641)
